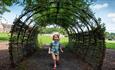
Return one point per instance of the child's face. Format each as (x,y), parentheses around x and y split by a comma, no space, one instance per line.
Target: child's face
(56,38)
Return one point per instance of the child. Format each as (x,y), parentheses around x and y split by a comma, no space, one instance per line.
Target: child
(54,50)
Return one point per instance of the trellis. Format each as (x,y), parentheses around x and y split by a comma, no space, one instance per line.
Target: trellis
(86,35)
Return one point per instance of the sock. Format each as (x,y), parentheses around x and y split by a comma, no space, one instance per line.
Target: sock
(58,62)
(54,63)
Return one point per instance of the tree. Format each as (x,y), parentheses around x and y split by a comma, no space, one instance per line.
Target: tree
(45,30)
(110,36)
(4,4)
(106,35)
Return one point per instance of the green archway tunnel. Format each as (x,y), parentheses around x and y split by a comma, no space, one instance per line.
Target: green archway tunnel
(86,35)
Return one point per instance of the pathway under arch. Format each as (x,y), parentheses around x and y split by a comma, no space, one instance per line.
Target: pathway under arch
(86,34)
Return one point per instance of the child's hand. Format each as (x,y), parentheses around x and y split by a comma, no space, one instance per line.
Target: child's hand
(62,51)
(49,52)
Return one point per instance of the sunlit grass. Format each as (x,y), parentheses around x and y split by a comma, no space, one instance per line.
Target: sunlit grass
(46,40)
(110,44)
(4,36)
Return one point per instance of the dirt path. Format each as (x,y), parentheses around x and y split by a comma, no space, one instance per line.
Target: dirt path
(109,61)
(42,61)
(4,56)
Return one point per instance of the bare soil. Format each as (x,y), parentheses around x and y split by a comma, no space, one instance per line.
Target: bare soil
(43,61)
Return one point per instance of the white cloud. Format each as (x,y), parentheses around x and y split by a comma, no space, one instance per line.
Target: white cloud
(113,19)
(9,16)
(112,15)
(100,6)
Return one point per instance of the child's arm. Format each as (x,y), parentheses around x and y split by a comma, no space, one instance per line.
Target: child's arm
(61,49)
(49,50)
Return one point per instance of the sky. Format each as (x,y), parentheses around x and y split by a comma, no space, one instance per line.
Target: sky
(106,11)
(15,11)
(102,8)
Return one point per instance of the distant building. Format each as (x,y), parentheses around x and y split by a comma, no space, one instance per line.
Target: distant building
(4,27)
(1,28)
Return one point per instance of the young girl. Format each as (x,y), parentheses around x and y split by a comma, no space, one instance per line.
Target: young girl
(54,50)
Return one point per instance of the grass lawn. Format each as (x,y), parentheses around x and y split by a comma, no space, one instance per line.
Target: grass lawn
(110,44)
(46,40)
(4,36)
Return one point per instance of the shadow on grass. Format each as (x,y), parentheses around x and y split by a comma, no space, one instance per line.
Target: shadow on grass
(4,38)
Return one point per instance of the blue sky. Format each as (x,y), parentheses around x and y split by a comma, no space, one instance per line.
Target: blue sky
(15,11)
(105,9)
(102,8)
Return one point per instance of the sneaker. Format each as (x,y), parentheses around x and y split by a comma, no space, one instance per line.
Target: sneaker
(57,62)
(54,68)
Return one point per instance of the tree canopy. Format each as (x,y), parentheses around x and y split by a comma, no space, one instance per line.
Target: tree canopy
(60,12)
(47,30)
(4,4)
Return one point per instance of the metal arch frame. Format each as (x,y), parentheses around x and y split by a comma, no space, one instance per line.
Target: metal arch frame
(74,30)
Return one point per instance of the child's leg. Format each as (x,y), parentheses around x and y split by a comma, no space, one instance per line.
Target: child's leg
(57,59)
(54,59)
